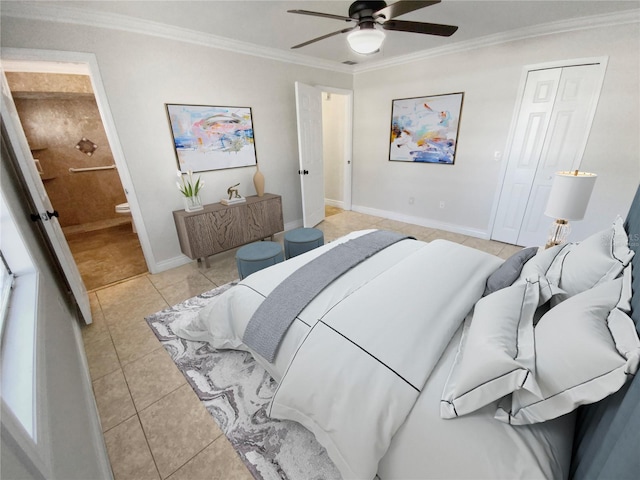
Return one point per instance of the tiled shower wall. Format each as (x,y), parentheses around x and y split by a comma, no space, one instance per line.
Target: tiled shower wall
(56,112)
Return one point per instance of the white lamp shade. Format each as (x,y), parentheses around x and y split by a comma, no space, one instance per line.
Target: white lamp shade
(366,40)
(570,195)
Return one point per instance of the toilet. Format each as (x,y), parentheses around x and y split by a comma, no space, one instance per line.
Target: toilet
(123,209)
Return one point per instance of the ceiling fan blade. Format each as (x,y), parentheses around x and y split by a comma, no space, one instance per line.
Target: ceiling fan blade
(345,30)
(400,8)
(420,27)
(324,15)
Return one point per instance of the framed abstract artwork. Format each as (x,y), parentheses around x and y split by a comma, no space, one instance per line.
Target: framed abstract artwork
(425,129)
(211,137)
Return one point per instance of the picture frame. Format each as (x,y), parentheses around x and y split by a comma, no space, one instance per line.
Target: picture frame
(208,137)
(425,129)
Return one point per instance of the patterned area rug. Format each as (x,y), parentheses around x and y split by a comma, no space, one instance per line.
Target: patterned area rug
(236,391)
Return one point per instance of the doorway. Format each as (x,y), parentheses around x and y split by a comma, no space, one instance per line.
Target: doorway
(325,149)
(336,151)
(61,120)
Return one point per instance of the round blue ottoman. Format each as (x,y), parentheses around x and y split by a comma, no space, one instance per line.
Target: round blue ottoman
(256,256)
(302,240)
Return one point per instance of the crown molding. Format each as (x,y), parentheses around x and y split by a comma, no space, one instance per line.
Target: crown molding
(583,23)
(76,16)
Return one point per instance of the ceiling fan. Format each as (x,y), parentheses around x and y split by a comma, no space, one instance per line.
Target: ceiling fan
(365,38)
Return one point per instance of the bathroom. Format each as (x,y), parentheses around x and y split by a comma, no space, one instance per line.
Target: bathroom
(62,123)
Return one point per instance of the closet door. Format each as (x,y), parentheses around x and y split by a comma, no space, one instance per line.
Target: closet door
(550,135)
(528,140)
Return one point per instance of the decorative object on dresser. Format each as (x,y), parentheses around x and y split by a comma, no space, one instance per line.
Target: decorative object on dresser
(191,191)
(212,137)
(217,228)
(258,181)
(233,196)
(568,200)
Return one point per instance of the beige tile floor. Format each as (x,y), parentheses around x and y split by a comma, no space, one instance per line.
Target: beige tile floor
(154,425)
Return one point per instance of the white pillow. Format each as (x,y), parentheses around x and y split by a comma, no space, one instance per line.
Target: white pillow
(547,263)
(586,349)
(599,258)
(625,296)
(496,354)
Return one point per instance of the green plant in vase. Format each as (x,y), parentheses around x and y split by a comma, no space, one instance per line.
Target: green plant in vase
(190,190)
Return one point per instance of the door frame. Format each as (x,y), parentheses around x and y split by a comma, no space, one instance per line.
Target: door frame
(87,64)
(348,144)
(602,61)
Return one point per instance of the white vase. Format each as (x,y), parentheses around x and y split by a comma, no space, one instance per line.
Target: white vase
(193,204)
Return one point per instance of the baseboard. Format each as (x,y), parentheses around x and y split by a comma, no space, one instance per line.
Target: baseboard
(291,225)
(423,222)
(334,203)
(171,263)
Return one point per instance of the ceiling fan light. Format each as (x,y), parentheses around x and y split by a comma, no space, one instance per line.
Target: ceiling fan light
(366,40)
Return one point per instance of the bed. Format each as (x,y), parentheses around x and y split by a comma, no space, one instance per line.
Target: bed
(434,360)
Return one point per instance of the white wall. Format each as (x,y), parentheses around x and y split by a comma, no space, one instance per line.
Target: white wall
(69,443)
(142,73)
(333,144)
(490,78)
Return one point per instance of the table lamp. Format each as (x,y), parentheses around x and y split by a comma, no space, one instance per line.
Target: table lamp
(568,200)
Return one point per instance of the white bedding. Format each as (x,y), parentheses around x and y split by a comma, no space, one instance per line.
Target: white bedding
(363,367)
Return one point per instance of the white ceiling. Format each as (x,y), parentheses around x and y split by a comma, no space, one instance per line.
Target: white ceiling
(266,23)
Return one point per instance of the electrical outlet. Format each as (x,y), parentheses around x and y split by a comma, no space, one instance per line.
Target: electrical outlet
(441,203)
(411,200)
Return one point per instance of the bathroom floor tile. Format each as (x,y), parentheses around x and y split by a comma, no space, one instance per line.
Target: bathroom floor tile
(189,287)
(177,428)
(107,255)
(219,461)
(129,452)
(444,235)
(130,301)
(488,246)
(101,357)
(417,231)
(394,225)
(133,340)
(97,330)
(223,268)
(176,275)
(508,250)
(152,377)
(113,399)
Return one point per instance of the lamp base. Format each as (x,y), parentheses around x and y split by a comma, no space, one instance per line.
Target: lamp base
(558,233)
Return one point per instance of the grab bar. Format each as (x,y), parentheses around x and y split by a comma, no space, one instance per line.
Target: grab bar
(91,169)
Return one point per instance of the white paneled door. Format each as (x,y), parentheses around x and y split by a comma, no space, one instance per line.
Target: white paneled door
(43,206)
(550,135)
(309,114)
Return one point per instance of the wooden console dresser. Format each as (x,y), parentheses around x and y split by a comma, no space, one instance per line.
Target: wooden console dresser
(218,227)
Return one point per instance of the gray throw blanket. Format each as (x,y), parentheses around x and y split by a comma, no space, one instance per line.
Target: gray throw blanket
(277,312)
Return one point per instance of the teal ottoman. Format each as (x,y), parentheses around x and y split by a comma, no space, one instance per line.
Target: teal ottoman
(302,240)
(256,256)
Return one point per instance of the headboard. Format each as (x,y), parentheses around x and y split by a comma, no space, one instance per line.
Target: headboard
(607,435)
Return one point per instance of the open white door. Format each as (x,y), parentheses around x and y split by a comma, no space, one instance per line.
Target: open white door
(45,210)
(309,112)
